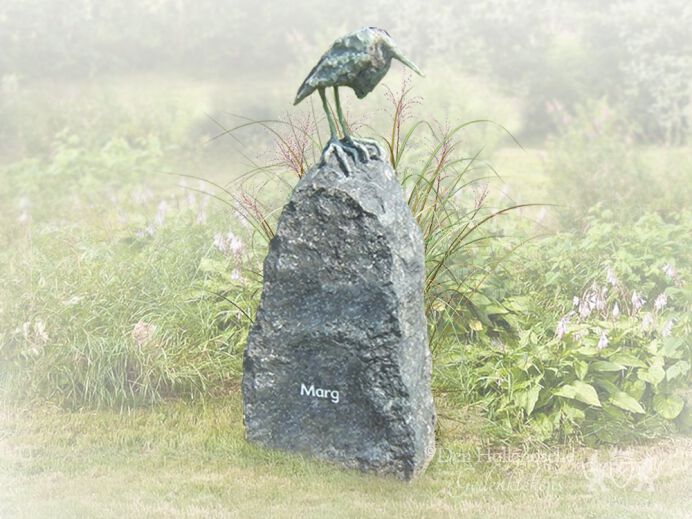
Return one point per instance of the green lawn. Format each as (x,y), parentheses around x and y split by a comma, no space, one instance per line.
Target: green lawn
(190,460)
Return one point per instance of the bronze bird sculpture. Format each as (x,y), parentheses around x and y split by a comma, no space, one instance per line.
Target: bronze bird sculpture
(358,60)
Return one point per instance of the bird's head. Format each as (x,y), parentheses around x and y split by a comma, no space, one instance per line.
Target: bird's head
(391,50)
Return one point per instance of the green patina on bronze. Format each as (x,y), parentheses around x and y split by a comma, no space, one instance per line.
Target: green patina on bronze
(358,60)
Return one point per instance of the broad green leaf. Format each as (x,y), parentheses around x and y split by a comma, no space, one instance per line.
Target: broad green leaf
(614,412)
(627,360)
(606,384)
(586,393)
(524,362)
(480,299)
(652,347)
(658,360)
(581,391)
(635,388)
(531,399)
(604,365)
(668,406)
(565,391)
(626,402)
(654,375)
(581,368)
(679,368)
(519,398)
(495,310)
(573,413)
(671,347)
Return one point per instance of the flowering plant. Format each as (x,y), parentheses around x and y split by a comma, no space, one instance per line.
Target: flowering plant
(588,336)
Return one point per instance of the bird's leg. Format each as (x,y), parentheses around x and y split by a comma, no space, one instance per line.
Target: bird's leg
(344,127)
(332,125)
(333,146)
(362,150)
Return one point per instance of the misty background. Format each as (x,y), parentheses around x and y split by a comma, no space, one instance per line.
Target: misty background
(529,65)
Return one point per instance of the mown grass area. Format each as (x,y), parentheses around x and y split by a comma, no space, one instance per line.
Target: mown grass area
(189,459)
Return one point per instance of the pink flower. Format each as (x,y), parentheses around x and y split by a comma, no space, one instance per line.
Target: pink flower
(670,271)
(637,301)
(234,243)
(661,302)
(561,329)
(220,242)
(647,322)
(603,341)
(228,244)
(600,301)
(611,277)
(593,299)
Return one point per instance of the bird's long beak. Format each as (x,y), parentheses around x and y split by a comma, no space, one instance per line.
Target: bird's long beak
(396,53)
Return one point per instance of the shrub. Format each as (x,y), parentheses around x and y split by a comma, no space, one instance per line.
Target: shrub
(106,297)
(591,339)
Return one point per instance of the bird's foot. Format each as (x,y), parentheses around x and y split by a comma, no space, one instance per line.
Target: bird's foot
(336,147)
(349,152)
(369,148)
(356,149)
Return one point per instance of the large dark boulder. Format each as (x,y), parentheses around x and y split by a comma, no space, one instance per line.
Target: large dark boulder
(337,364)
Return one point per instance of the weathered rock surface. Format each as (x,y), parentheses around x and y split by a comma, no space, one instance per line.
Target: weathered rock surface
(337,364)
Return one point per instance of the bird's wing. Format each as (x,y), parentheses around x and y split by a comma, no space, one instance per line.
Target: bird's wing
(339,66)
